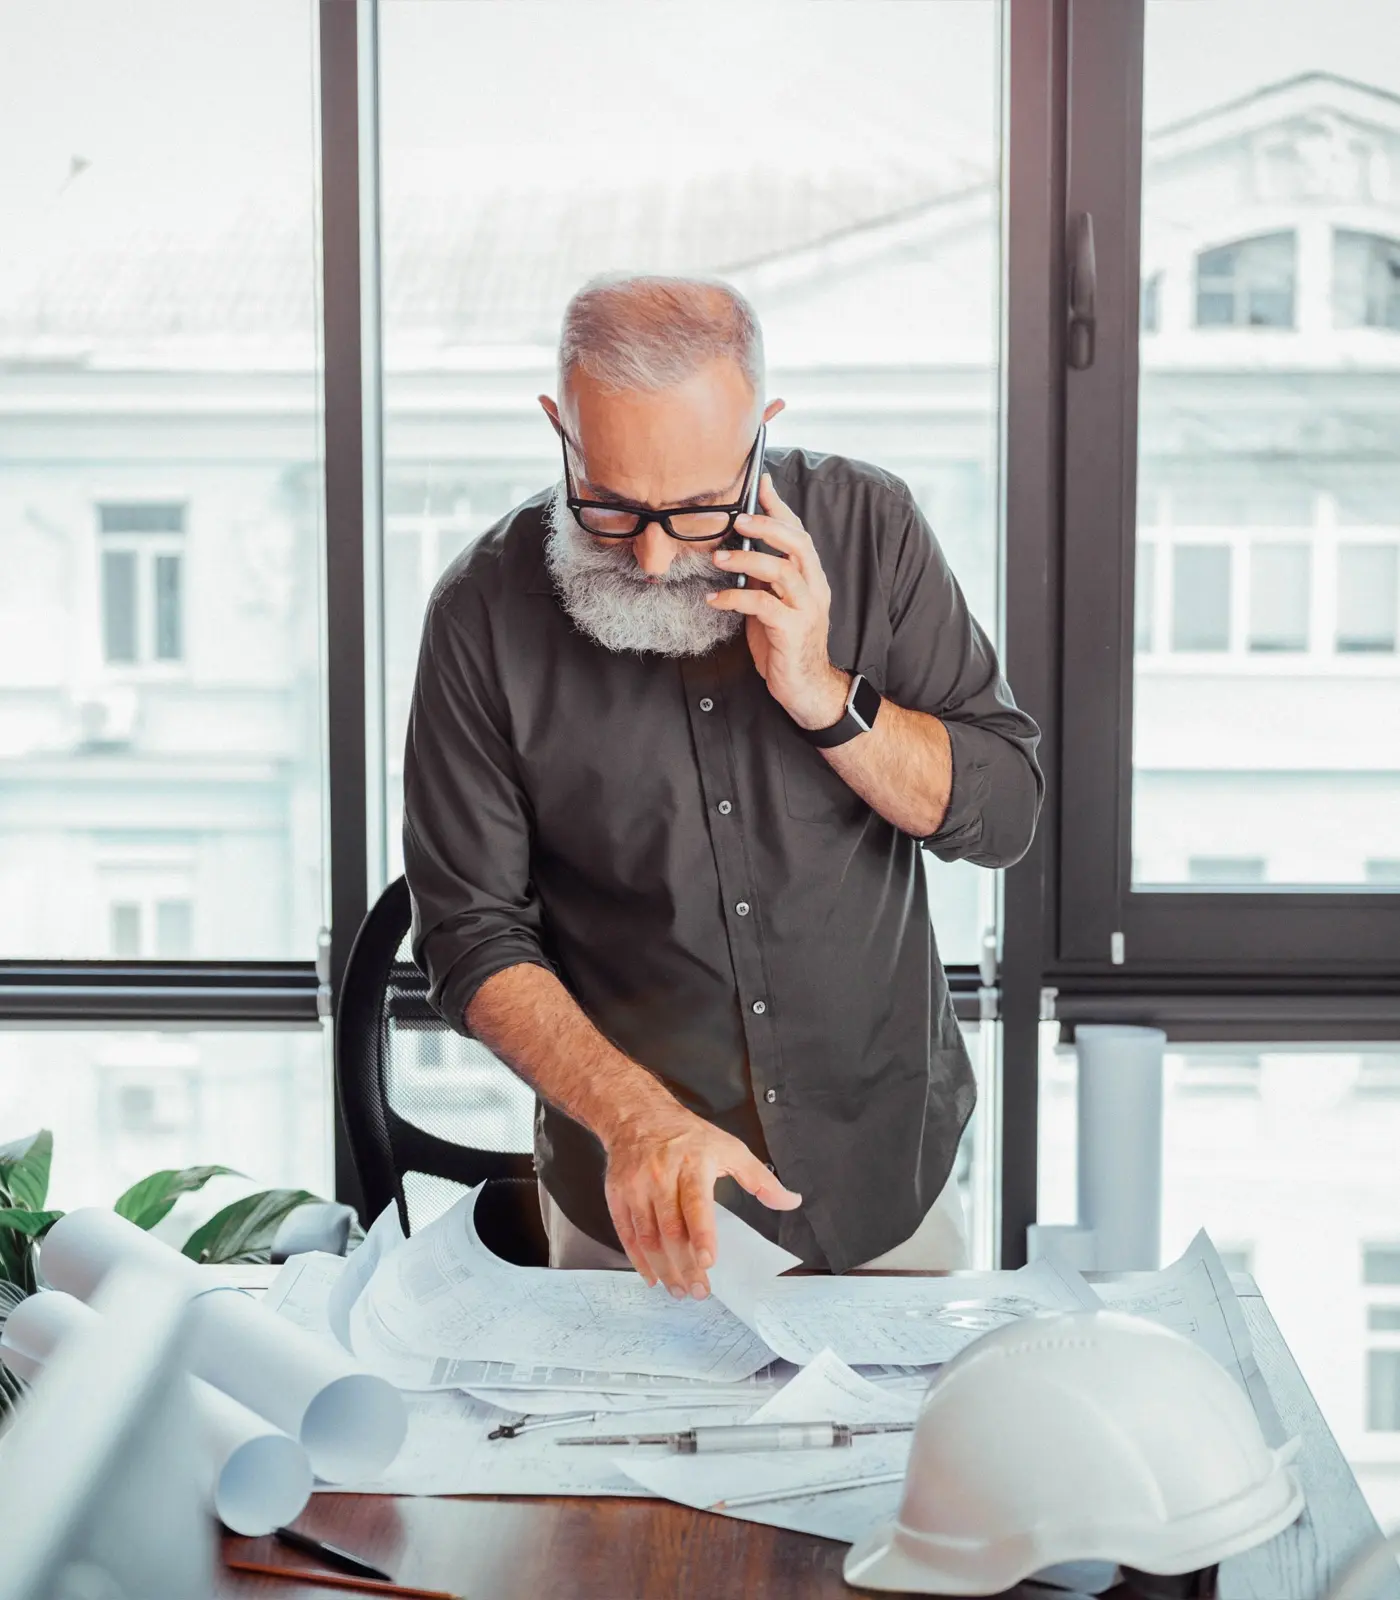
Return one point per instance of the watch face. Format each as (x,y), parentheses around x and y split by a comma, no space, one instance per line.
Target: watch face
(865,702)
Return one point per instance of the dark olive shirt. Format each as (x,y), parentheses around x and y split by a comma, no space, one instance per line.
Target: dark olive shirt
(721,905)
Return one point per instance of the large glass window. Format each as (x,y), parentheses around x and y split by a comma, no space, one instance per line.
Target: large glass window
(859,210)
(1269,729)
(1287,1155)
(160,481)
(127,1103)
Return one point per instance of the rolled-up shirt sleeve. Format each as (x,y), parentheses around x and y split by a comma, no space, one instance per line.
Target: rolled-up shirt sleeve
(942,663)
(467,821)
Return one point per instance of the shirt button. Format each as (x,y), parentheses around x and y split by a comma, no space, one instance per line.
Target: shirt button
(724,808)
(770,1097)
(707,704)
(743,909)
(759,1007)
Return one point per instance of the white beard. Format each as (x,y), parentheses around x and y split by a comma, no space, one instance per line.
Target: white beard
(609,598)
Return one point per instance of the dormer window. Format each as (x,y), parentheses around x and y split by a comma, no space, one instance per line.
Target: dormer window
(1248,284)
(1365,280)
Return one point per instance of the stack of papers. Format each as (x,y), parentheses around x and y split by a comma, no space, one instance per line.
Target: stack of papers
(501,1362)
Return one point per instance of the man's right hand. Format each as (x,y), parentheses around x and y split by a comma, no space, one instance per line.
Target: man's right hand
(662,1165)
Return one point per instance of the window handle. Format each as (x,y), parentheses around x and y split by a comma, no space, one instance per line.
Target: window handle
(1083,282)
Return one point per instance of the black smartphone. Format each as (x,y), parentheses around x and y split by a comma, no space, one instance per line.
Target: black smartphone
(741,579)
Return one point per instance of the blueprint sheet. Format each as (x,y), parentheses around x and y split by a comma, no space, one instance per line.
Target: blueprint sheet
(825,1390)
(442,1293)
(1194,1297)
(448,1452)
(863,1320)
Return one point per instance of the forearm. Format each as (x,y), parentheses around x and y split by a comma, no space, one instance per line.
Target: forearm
(902,768)
(529,1019)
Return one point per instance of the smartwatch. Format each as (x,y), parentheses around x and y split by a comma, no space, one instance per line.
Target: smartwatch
(862,707)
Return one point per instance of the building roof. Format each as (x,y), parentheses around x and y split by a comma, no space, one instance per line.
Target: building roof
(113,271)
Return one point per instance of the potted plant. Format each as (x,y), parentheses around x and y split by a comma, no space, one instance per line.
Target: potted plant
(241,1231)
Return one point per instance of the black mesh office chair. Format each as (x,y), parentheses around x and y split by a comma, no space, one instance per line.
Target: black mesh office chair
(428,1112)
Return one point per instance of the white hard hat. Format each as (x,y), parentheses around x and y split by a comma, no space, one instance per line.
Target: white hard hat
(1086,1436)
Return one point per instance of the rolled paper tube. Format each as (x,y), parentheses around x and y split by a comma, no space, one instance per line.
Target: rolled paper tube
(83,1247)
(350,1423)
(21,1365)
(254,1477)
(1120,1143)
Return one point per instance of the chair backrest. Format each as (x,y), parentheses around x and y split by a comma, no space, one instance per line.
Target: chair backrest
(427,1112)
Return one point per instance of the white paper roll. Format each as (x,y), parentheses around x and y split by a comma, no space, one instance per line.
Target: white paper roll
(350,1423)
(262,1478)
(1120,1143)
(252,1476)
(21,1365)
(83,1247)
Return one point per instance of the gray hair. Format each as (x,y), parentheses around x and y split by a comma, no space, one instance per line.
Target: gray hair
(632,332)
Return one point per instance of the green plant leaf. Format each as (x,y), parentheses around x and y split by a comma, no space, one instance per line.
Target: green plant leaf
(33,1224)
(244,1230)
(17,1255)
(145,1203)
(12,1388)
(16,1259)
(24,1170)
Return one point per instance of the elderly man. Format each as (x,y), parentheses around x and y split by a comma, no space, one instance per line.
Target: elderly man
(662,830)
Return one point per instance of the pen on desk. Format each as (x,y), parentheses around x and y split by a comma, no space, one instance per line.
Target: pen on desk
(338,1580)
(749,1436)
(765,1495)
(331,1554)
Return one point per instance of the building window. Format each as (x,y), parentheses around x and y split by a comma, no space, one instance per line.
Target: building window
(149,929)
(1365,281)
(1248,284)
(1226,1070)
(1380,1265)
(1368,597)
(142,583)
(1145,597)
(1383,1391)
(1380,1272)
(1150,316)
(1383,870)
(1201,597)
(1225,869)
(1280,591)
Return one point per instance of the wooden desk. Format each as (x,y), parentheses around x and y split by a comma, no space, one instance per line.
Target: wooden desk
(597,1549)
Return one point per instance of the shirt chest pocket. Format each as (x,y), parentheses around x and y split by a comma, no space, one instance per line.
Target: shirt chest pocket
(815,791)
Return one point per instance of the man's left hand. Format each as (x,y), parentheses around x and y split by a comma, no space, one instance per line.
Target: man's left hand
(788,620)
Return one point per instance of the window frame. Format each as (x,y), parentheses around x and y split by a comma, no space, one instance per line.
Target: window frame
(1334,942)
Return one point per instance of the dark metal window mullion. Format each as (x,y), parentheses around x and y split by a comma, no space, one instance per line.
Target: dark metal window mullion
(1033,365)
(346,702)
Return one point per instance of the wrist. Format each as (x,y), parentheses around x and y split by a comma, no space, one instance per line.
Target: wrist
(825,704)
(630,1102)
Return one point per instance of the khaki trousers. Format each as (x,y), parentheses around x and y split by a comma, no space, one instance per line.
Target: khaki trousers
(938,1244)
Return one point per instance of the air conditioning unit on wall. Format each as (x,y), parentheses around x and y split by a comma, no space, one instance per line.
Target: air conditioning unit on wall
(106,718)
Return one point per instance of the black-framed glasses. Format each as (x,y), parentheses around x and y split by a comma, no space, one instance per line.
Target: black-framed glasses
(606,519)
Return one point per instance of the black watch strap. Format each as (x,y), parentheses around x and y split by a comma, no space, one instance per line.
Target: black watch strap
(862,707)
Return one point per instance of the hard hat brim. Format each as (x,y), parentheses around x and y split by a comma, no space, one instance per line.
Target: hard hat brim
(891,1557)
